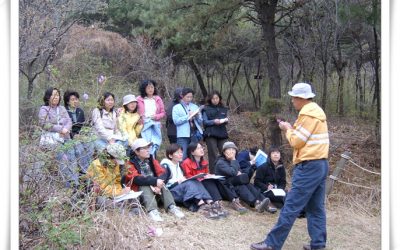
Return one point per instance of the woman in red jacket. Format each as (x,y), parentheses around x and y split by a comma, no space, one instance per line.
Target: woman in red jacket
(195,164)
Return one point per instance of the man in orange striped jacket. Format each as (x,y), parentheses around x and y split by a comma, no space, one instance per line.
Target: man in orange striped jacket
(310,141)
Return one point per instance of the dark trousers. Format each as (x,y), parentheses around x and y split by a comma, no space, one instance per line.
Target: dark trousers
(214,148)
(249,194)
(219,191)
(308,191)
(277,200)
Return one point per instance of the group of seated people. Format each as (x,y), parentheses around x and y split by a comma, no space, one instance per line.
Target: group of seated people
(121,157)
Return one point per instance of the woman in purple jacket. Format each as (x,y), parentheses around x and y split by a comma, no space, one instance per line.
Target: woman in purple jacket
(56,125)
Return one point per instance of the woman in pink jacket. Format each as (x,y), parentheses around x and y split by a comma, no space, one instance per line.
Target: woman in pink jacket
(151,110)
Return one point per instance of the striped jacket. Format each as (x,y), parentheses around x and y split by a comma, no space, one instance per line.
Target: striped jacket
(309,136)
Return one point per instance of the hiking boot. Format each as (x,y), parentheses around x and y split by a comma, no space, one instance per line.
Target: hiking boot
(134,211)
(208,212)
(176,211)
(155,215)
(235,204)
(260,246)
(308,247)
(262,205)
(218,209)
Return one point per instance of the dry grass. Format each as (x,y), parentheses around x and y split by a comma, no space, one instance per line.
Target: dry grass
(111,230)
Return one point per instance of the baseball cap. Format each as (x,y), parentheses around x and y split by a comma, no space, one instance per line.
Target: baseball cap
(140,143)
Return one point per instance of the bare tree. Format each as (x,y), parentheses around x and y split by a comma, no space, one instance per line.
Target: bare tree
(42,26)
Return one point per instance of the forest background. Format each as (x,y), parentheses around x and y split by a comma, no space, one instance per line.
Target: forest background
(251,51)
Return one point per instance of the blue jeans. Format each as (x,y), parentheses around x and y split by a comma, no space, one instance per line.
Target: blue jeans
(68,167)
(183,142)
(308,191)
(84,154)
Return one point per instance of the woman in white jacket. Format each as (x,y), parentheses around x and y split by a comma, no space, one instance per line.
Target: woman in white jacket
(104,119)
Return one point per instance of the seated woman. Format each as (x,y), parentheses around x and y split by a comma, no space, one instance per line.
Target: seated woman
(189,192)
(84,148)
(105,174)
(144,173)
(104,119)
(272,175)
(129,120)
(151,110)
(228,166)
(56,125)
(194,165)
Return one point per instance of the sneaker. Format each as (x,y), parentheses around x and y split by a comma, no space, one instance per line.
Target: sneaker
(260,246)
(235,204)
(272,210)
(208,211)
(176,211)
(262,205)
(218,209)
(155,215)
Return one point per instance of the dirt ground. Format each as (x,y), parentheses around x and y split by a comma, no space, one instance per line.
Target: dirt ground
(346,230)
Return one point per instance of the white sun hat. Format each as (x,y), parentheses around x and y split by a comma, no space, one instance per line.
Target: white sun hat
(117,151)
(128,99)
(302,90)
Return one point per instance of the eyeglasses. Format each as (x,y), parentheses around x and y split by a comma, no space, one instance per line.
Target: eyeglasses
(145,148)
(200,147)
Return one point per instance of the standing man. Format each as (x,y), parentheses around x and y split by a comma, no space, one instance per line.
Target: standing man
(310,141)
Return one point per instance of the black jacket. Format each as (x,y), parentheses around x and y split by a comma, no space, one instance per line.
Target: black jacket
(269,173)
(80,120)
(211,112)
(169,123)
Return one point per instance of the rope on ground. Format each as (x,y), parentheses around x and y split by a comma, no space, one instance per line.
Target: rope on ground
(349,159)
(347,183)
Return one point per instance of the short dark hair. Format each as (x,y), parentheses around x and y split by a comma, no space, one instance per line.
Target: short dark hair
(186,91)
(143,85)
(211,95)
(47,95)
(102,98)
(253,150)
(177,94)
(172,149)
(67,96)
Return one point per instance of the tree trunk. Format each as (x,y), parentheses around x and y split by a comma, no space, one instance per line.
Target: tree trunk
(266,14)
(340,65)
(30,88)
(324,85)
(232,84)
(247,75)
(359,104)
(377,85)
(200,81)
